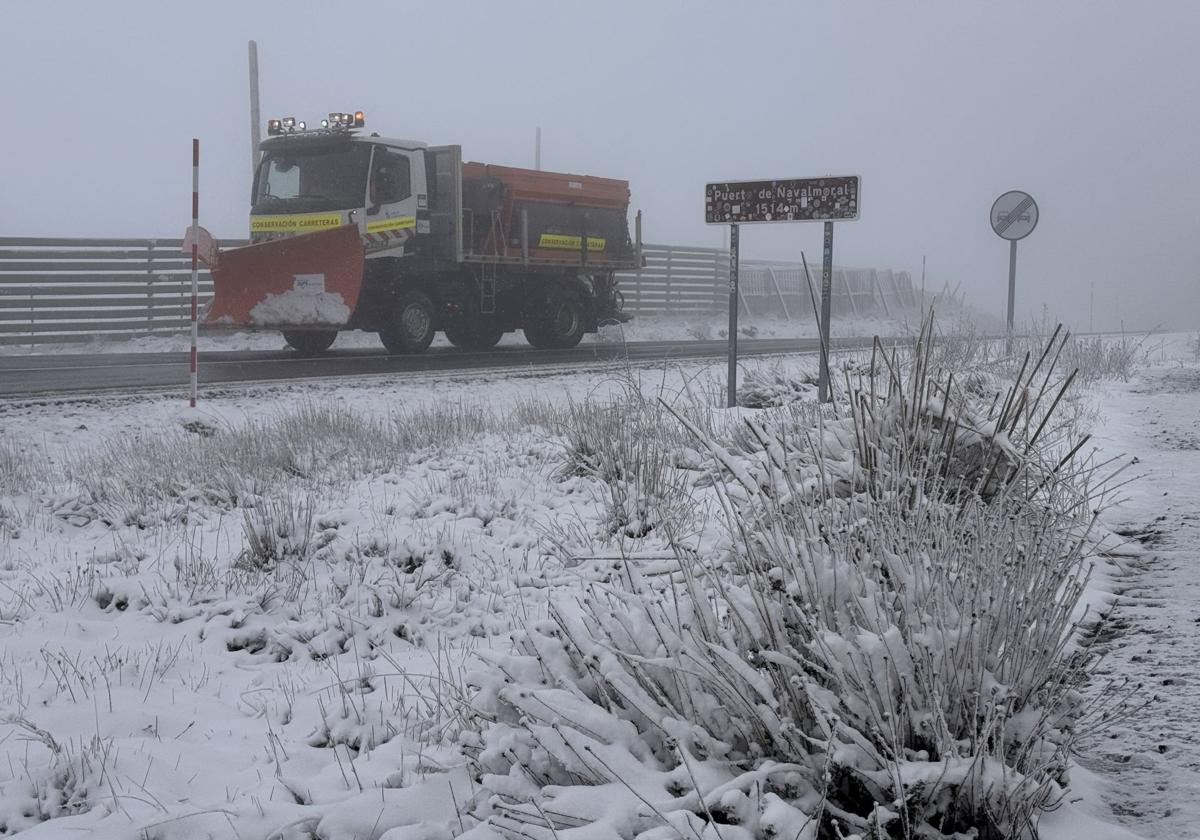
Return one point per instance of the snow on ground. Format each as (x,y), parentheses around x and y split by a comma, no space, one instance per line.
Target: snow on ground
(175,657)
(158,650)
(1152,761)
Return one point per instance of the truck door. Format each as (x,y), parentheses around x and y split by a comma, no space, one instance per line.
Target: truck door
(395,200)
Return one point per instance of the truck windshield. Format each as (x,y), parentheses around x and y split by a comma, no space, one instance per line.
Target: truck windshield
(327,179)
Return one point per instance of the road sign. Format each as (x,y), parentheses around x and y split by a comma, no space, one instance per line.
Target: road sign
(1014,215)
(828,199)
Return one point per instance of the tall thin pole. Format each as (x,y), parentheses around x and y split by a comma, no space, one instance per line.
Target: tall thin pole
(731,387)
(537,149)
(195,270)
(823,389)
(922,286)
(255,122)
(1012,292)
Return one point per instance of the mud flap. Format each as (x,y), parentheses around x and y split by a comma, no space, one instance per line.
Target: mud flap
(310,280)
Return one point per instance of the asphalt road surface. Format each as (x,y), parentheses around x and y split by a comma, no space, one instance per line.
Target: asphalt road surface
(25,376)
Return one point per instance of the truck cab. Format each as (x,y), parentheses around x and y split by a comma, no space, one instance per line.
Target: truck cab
(314,181)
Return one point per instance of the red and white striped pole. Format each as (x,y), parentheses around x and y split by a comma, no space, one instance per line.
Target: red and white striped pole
(195,274)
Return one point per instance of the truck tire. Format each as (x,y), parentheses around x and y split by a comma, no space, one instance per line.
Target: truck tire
(310,342)
(411,327)
(557,321)
(473,333)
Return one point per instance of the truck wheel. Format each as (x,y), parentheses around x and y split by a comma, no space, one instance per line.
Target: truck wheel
(473,333)
(558,322)
(411,327)
(310,342)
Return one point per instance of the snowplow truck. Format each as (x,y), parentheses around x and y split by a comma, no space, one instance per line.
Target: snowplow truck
(357,232)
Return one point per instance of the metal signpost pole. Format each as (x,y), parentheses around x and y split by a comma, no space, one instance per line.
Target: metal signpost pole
(1014,215)
(731,387)
(1012,294)
(823,389)
(255,136)
(922,287)
(195,274)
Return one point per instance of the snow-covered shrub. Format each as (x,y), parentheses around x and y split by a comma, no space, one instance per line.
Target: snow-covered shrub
(962,346)
(277,531)
(629,446)
(771,386)
(167,474)
(171,472)
(440,424)
(894,435)
(533,410)
(884,652)
(18,467)
(1107,357)
(66,783)
(965,347)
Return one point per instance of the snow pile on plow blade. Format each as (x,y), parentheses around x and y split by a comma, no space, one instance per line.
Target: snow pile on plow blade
(310,280)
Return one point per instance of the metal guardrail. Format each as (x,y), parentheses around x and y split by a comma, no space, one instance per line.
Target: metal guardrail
(681,279)
(66,290)
(56,290)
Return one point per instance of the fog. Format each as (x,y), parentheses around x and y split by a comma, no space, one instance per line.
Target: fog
(1092,107)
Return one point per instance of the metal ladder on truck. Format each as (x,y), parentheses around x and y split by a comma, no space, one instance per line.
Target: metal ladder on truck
(487,289)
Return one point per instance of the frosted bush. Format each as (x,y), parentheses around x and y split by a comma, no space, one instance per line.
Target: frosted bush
(884,651)
(19,468)
(771,387)
(629,447)
(58,780)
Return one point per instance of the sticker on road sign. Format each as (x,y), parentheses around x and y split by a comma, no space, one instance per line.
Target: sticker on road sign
(309,284)
(1014,215)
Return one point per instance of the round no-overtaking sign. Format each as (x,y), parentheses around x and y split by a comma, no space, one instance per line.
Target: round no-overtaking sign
(1014,215)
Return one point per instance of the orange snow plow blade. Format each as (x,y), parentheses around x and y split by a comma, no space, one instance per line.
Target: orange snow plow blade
(310,280)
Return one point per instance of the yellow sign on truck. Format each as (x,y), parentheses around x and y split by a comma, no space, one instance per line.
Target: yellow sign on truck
(295,223)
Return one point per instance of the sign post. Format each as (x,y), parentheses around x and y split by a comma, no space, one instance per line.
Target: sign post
(195,276)
(828,199)
(1014,215)
(731,387)
(823,394)
(255,123)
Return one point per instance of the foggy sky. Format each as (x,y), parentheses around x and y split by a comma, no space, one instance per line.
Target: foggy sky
(1093,107)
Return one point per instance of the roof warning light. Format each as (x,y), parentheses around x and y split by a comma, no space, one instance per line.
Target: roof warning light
(336,121)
